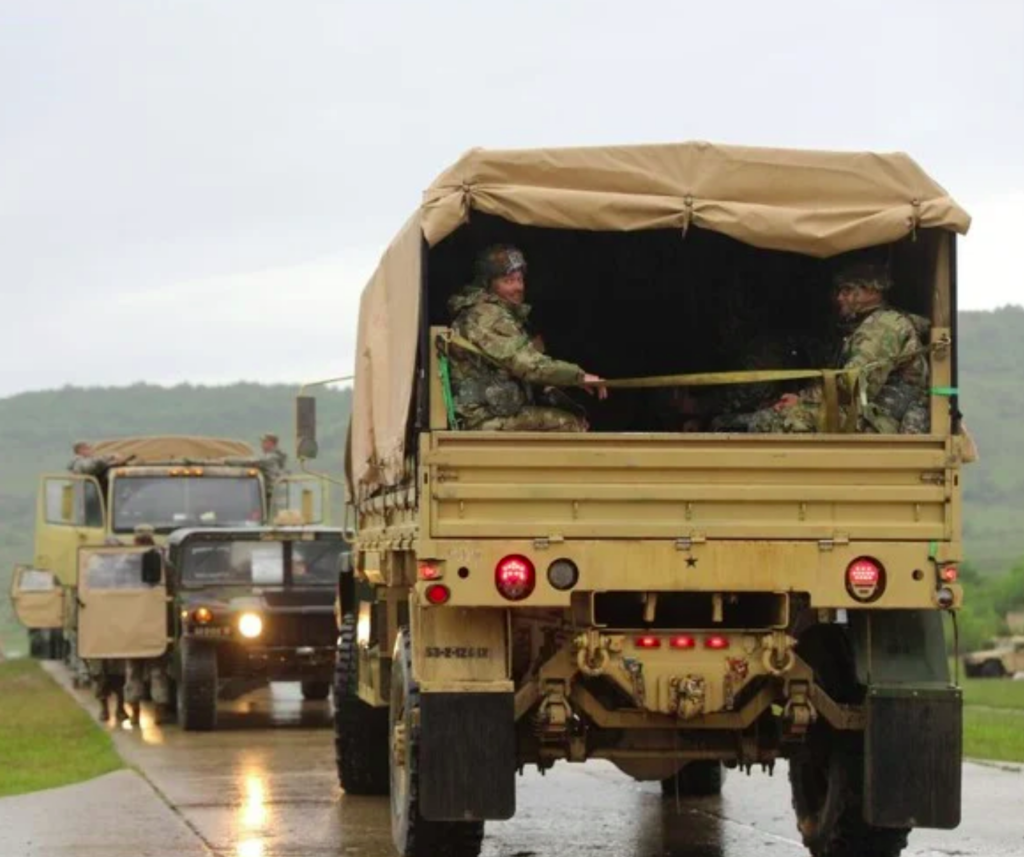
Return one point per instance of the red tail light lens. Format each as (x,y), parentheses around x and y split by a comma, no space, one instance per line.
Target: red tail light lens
(648,641)
(948,574)
(716,642)
(438,593)
(865,579)
(683,641)
(515,577)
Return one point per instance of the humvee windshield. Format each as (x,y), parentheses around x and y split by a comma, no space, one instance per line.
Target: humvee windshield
(250,563)
(172,502)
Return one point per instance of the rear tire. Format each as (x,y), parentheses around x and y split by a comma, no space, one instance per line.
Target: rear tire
(827,783)
(703,778)
(360,730)
(315,690)
(413,835)
(197,686)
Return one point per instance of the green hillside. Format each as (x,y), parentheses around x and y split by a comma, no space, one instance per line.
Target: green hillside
(37,430)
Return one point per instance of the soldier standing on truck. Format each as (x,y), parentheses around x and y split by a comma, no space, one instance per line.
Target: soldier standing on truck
(883,338)
(87,463)
(272,460)
(491,388)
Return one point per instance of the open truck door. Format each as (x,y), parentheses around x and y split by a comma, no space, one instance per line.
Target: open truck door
(308,495)
(38,598)
(69,515)
(122,603)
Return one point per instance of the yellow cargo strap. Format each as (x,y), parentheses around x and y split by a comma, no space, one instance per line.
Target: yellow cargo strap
(829,379)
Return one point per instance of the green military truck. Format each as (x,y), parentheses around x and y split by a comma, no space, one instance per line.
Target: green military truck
(168,482)
(251,604)
(672,601)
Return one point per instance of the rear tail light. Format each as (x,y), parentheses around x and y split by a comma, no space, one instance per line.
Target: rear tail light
(716,642)
(515,577)
(428,571)
(948,574)
(865,579)
(438,593)
(683,641)
(563,574)
(648,641)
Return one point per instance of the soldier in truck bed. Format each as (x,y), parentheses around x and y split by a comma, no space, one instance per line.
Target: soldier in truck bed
(491,390)
(888,340)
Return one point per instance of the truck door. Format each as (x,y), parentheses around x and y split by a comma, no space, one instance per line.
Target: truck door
(120,614)
(37,597)
(69,515)
(306,494)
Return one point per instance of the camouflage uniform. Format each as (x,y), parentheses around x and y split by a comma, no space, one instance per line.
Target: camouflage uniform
(494,394)
(272,463)
(896,392)
(92,465)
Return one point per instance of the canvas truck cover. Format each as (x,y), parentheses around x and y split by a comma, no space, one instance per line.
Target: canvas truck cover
(812,202)
(169,448)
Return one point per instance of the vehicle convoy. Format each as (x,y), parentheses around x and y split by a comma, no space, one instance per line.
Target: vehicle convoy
(166,482)
(251,604)
(996,659)
(671,601)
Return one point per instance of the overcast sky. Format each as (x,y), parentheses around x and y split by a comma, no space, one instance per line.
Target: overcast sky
(197,190)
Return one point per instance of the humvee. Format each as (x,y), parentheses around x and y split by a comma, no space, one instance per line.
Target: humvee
(156,487)
(251,604)
(1000,658)
(672,601)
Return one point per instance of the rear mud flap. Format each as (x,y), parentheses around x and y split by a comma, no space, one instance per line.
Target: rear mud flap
(912,760)
(467,756)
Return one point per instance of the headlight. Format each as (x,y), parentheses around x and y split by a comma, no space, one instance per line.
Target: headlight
(250,625)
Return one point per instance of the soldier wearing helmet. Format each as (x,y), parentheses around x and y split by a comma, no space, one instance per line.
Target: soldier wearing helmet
(885,344)
(492,389)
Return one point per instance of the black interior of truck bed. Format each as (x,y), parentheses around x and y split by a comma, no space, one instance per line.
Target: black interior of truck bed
(628,304)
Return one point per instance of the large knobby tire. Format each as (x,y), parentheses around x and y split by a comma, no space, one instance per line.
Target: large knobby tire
(316,690)
(992,669)
(702,778)
(413,835)
(197,686)
(360,730)
(827,783)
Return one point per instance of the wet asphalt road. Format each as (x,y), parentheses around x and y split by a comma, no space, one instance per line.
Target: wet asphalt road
(263,785)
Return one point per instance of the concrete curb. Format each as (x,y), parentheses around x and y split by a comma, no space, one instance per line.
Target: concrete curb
(117,814)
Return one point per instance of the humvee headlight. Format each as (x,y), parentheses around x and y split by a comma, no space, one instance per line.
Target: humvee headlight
(202,616)
(250,625)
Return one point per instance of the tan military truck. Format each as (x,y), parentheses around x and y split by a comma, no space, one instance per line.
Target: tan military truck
(670,601)
(997,659)
(168,482)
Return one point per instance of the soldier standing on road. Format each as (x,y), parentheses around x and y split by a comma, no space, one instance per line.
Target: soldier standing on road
(492,389)
(886,340)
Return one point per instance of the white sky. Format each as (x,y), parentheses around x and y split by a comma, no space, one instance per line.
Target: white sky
(198,189)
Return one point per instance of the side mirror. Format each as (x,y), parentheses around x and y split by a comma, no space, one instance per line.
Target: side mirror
(152,567)
(67,502)
(305,427)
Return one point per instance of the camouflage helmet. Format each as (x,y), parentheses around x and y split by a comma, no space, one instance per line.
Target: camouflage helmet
(866,274)
(498,260)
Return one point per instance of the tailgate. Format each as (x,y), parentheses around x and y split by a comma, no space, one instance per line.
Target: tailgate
(495,484)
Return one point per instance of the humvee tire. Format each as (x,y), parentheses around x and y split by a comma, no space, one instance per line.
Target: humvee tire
(197,686)
(992,669)
(702,778)
(360,730)
(413,835)
(827,783)
(315,690)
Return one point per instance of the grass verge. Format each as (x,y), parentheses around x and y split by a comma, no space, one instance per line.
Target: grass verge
(993,719)
(46,739)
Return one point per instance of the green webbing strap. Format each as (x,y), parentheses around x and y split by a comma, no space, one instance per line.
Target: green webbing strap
(446,387)
(945,391)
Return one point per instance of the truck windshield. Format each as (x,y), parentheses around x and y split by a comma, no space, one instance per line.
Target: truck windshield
(171,502)
(244,563)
